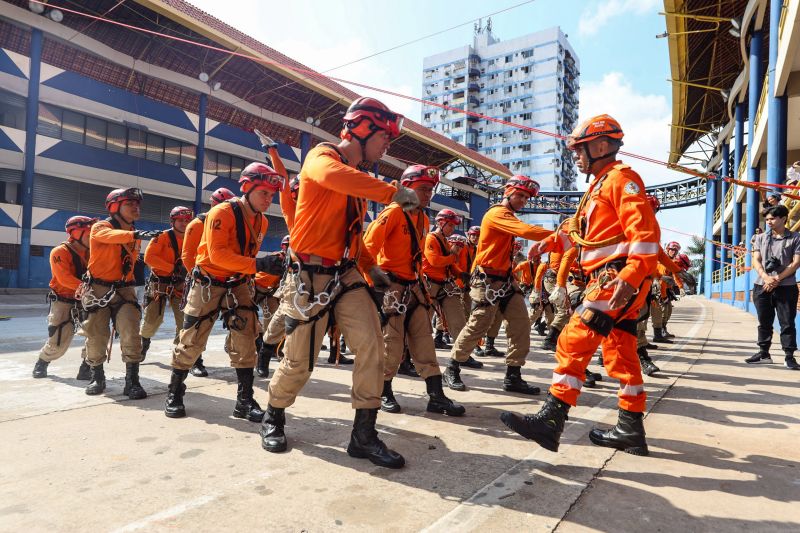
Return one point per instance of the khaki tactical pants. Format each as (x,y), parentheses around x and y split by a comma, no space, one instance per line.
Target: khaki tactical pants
(515,313)
(203,306)
(466,304)
(60,331)
(268,302)
(413,328)
(125,311)
(562,312)
(657,314)
(641,329)
(537,309)
(453,309)
(156,297)
(357,318)
(494,329)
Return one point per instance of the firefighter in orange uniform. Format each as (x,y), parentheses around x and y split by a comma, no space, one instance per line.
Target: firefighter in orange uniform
(619,236)
(395,238)
(167,277)
(324,283)
(67,264)
(221,282)
(191,242)
(667,287)
(494,290)
(109,292)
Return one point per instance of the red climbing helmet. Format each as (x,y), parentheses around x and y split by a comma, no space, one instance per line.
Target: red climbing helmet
(419,174)
(448,215)
(674,246)
(474,230)
(378,116)
(257,175)
(78,224)
(117,196)
(523,184)
(220,195)
(654,203)
(181,212)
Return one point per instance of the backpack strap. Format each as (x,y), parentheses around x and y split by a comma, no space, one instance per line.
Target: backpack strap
(240,230)
(124,253)
(77,261)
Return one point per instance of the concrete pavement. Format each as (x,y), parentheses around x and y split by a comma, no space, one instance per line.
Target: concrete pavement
(723,438)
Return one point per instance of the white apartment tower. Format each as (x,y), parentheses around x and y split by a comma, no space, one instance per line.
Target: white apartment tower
(530,80)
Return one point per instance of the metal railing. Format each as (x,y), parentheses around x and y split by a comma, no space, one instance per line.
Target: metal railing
(717,213)
(743,164)
(762,102)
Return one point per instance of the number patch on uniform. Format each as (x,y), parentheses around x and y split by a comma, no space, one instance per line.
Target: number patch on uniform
(631,188)
(216,224)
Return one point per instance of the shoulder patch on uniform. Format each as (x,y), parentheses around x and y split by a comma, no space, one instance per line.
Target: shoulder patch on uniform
(631,188)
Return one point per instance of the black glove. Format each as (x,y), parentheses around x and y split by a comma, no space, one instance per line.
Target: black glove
(465,276)
(271,264)
(379,278)
(145,234)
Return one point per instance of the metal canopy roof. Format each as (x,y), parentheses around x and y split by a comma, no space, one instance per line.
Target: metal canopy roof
(705,59)
(273,87)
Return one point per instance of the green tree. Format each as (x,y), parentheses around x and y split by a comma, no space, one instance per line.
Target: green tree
(696,252)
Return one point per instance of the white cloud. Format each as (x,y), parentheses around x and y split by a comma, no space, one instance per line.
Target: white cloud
(645,118)
(594,18)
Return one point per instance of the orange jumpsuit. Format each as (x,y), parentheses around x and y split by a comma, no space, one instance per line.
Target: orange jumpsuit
(225,271)
(493,260)
(616,206)
(397,247)
(319,236)
(166,284)
(113,253)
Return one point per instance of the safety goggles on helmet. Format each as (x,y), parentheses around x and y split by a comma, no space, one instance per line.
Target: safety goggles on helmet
(377,113)
(523,184)
(118,196)
(257,175)
(78,223)
(220,195)
(457,239)
(181,212)
(420,174)
(474,230)
(448,215)
(674,246)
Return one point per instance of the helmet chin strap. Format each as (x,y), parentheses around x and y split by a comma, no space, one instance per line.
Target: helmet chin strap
(593,160)
(250,205)
(119,216)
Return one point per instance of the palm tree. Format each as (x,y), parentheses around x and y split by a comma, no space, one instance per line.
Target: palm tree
(696,252)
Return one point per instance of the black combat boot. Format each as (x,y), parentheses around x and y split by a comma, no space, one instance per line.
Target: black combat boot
(342,345)
(273,439)
(84,372)
(550,342)
(199,369)
(471,362)
(439,342)
(648,368)
(145,347)
(658,336)
(540,327)
(365,444)
(545,427)
(407,366)
(513,382)
(478,352)
(342,359)
(595,375)
(490,350)
(133,389)
(388,402)
(246,406)
(627,435)
(666,333)
(447,338)
(600,360)
(173,405)
(98,382)
(452,376)
(588,381)
(265,353)
(40,368)
(438,402)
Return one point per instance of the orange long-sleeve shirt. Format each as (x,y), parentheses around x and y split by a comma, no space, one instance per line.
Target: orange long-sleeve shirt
(65,280)
(219,253)
(388,240)
(160,256)
(537,281)
(191,242)
(526,272)
(105,258)
(617,206)
(438,262)
(498,228)
(666,267)
(288,204)
(564,267)
(267,281)
(321,215)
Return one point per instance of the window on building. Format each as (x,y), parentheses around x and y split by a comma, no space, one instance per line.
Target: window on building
(72,126)
(525,147)
(526,70)
(224,165)
(137,143)
(526,116)
(12,110)
(506,150)
(237,165)
(188,156)
(210,162)
(96,132)
(509,89)
(117,138)
(491,62)
(155,148)
(49,121)
(427,116)
(509,58)
(172,152)
(458,124)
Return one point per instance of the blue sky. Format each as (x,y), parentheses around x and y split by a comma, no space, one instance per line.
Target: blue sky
(624,68)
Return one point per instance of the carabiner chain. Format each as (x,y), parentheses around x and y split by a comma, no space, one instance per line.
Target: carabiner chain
(323,298)
(392,303)
(88,300)
(493,295)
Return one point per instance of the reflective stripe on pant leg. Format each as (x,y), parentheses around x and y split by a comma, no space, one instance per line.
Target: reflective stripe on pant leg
(59,318)
(575,348)
(622,363)
(480,320)
(518,331)
(194,333)
(359,322)
(292,372)
(242,345)
(128,318)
